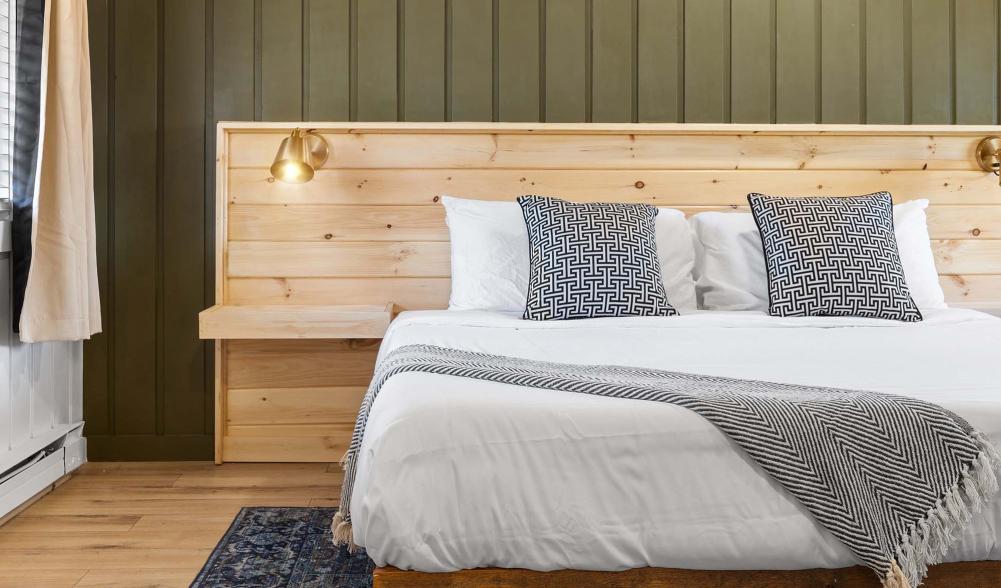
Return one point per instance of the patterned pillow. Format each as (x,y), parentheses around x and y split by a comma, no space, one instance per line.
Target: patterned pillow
(592,260)
(832,256)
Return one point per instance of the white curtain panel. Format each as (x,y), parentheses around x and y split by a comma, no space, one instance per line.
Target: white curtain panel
(61,300)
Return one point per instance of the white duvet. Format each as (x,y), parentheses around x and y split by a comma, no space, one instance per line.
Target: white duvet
(456,473)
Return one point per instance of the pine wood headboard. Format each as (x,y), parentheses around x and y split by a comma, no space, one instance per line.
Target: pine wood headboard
(369,230)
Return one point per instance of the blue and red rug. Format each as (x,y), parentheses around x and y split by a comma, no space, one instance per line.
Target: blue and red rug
(283,547)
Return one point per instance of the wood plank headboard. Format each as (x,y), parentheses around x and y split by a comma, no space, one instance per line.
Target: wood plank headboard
(369,230)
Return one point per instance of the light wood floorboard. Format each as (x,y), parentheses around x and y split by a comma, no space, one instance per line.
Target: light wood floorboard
(129,525)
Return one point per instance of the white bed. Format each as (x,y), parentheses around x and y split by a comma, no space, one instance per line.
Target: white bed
(456,473)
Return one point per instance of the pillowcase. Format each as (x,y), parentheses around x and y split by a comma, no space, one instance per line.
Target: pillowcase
(489,255)
(910,224)
(592,260)
(832,256)
(730,266)
(490,262)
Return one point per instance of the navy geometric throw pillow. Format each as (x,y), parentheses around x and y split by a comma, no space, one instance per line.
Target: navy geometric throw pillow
(832,256)
(592,260)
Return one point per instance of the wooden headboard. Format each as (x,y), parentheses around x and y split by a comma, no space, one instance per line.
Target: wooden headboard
(369,230)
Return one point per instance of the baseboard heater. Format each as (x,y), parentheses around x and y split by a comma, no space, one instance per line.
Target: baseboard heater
(20,482)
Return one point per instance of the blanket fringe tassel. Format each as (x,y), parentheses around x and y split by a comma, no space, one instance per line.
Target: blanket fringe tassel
(342,532)
(928,539)
(340,527)
(896,578)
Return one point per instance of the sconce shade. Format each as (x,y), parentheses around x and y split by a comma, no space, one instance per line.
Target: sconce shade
(298,157)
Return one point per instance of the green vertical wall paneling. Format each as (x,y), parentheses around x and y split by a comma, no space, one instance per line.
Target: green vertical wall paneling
(471,60)
(230,98)
(566,60)
(377,60)
(518,88)
(183,164)
(752,78)
(796,61)
(328,60)
(841,72)
(707,60)
(612,61)
(233,59)
(931,61)
(976,61)
(424,60)
(660,57)
(886,90)
(281,59)
(135,217)
(165,71)
(96,352)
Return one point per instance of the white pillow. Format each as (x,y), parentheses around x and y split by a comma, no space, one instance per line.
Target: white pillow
(730,265)
(910,225)
(490,256)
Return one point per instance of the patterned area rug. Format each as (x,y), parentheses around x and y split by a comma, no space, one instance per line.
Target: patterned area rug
(283,547)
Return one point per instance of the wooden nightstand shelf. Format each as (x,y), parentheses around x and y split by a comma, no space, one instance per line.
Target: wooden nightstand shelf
(294,322)
(290,378)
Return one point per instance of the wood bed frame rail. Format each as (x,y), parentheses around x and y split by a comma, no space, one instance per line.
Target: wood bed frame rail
(980,574)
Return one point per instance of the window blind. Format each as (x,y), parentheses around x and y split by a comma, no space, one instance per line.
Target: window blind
(7,44)
(24,69)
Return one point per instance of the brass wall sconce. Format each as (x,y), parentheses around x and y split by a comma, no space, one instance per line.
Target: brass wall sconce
(989,155)
(299,156)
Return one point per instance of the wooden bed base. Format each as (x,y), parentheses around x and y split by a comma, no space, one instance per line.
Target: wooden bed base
(979,574)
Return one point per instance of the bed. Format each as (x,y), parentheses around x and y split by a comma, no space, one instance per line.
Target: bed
(456,473)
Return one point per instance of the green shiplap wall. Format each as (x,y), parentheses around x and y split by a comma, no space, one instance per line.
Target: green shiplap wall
(164,71)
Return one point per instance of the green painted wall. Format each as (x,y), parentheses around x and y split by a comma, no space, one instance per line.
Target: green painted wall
(165,71)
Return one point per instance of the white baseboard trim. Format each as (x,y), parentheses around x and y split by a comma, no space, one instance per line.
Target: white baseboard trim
(41,475)
(31,481)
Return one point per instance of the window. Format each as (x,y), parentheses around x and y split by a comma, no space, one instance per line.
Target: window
(8,34)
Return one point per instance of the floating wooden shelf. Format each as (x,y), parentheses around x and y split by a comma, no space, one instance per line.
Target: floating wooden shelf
(294,322)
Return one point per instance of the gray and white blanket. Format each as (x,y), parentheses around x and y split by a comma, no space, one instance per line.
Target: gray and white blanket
(894,478)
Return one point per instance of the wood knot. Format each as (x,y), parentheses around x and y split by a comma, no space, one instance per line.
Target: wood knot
(436,199)
(639,184)
(975,232)
(328,236)
(389,226)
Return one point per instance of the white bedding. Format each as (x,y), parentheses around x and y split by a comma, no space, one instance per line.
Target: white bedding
(456,473)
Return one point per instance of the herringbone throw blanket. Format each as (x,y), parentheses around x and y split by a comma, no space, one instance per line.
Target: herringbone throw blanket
(894,478)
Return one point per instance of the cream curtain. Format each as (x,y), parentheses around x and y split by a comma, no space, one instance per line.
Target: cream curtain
(61,300)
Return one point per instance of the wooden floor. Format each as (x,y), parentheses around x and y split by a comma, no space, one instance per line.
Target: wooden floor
(146,524)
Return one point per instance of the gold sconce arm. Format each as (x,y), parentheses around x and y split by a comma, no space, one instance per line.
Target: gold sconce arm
(989,156)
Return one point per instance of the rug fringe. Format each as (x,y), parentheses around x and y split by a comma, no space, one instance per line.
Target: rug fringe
(929,538)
